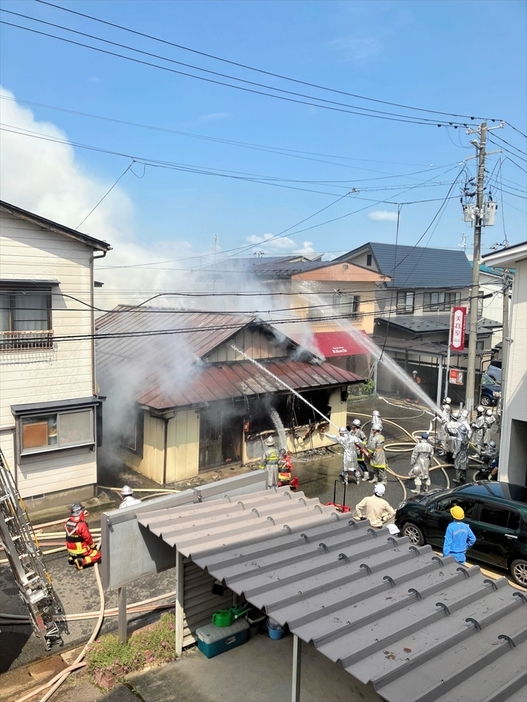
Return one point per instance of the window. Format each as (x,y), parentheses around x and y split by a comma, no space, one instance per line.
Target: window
(368,259)
(47,432)
(25,317)
(440,301)
(446,503)
(505,518)
(346,304)
(405,301)
(133,437)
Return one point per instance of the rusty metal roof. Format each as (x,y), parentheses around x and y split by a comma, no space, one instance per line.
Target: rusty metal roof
(162,351)
(418,627)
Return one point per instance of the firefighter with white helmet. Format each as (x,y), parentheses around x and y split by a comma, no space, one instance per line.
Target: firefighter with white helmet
(489,426)
(128,497)
(356,431)
(460,455)
(378,463)
(375,508)
(349,459)
(270,462)
(420,462)
(376,419)
(79,541)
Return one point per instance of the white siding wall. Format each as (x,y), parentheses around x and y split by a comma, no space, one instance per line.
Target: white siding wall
(28,252)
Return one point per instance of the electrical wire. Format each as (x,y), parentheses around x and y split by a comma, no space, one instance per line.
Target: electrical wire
(309,100)
(251,68)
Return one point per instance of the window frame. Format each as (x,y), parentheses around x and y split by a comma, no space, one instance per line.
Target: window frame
(444,301)
(55,419)
(13,339)
(405,308)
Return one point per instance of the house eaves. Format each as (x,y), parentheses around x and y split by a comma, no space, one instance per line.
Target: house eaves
(51,226)
(415,626)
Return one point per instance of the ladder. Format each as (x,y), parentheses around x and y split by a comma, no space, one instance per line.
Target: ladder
(26,560)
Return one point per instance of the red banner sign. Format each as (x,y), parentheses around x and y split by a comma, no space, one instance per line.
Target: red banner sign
(457,328)
(456,377)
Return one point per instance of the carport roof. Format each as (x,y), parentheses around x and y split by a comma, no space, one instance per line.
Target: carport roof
(416,626)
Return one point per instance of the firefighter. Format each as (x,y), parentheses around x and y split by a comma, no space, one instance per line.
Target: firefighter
(378,462)
(285,468)
(489,426)
(79,541)
(356,431)
(460,455)
(349,460)
(420,461)
(375,419)
(270,462)
(128,497)
(478,431)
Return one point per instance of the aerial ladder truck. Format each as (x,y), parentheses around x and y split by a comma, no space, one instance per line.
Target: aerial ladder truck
(26,560)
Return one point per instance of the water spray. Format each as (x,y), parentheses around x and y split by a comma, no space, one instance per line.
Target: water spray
(265,370)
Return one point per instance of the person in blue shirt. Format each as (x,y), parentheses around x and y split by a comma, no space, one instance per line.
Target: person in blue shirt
(459,537)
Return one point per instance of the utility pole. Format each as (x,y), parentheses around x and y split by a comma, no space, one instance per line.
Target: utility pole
(505,335)
(474,292)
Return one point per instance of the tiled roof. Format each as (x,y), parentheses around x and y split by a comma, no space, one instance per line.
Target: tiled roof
(418,267)
(420,324)
(415,626)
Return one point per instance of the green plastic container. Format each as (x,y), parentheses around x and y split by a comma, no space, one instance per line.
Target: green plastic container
(223,617)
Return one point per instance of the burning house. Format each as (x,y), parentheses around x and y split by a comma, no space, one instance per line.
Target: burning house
(191,390)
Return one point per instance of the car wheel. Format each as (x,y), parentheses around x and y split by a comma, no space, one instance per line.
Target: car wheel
(519,572)
(486,401)
(414,534)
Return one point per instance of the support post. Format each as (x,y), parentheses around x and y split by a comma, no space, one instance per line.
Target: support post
(447,374)
(297,669)
(180,612)
(121,623)
(505,337)
(439,380)
(474,291)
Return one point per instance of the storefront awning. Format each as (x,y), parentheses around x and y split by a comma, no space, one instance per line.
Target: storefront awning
(339,343)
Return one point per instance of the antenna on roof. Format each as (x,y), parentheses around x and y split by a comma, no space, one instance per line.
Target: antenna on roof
(463,244)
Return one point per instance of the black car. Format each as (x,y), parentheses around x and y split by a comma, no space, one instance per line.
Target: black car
(495,511)
(490,391)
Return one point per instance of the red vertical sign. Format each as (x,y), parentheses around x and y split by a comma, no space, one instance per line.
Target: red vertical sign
(457,328)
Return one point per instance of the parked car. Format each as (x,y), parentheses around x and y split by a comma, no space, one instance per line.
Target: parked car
(495,511)
(490,391)
(494,371)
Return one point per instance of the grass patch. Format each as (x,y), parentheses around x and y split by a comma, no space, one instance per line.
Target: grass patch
(151,646)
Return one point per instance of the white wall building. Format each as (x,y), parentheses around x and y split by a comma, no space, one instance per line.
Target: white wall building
(513,449)
(49,410)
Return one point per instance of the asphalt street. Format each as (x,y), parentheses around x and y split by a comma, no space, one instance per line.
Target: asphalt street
(317,471)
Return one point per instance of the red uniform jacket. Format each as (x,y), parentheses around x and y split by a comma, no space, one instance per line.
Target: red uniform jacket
(79,541)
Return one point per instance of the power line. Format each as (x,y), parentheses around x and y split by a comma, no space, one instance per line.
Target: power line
(330,104)
(251,68)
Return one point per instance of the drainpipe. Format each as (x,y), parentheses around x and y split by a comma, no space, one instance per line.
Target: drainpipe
(92,330)
(166,420)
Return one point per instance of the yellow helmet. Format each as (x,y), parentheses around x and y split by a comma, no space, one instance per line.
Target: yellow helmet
(457,512)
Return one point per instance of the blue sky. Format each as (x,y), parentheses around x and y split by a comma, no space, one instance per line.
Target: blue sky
(465,58)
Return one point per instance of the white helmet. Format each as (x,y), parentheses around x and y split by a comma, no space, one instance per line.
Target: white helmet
(379,490)
(356,422)
(447,400)
(455,415)
(269,441)
(375,413)
(464,414)
(343,430)
(492,444)
(126,491)
(376,427)
(489,413)
(480,409)
(462,428)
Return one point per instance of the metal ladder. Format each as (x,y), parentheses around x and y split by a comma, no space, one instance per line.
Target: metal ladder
(26,560)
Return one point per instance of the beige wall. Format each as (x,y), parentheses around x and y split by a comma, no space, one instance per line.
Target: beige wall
(28,252)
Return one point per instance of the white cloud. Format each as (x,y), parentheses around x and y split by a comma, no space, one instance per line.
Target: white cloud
(281,244)
(46,178)
(383,216)
(357,49)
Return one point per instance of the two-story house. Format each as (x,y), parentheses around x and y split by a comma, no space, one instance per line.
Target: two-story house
(49,410)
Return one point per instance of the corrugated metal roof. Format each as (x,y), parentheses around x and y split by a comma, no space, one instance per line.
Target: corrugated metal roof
(418,266)
(230,380)
(160,350)
(417,627)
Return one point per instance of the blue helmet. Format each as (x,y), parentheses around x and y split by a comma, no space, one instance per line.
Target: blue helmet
(424,435)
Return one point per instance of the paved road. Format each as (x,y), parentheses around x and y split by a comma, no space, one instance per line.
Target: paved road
(78,591)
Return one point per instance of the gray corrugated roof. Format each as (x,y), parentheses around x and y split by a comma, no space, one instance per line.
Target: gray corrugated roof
(418,267)
(417,627)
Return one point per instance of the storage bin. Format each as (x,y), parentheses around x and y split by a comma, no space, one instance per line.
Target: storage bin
(213,640)
(256,619)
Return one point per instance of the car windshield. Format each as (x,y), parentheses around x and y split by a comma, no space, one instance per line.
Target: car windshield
(487,380)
